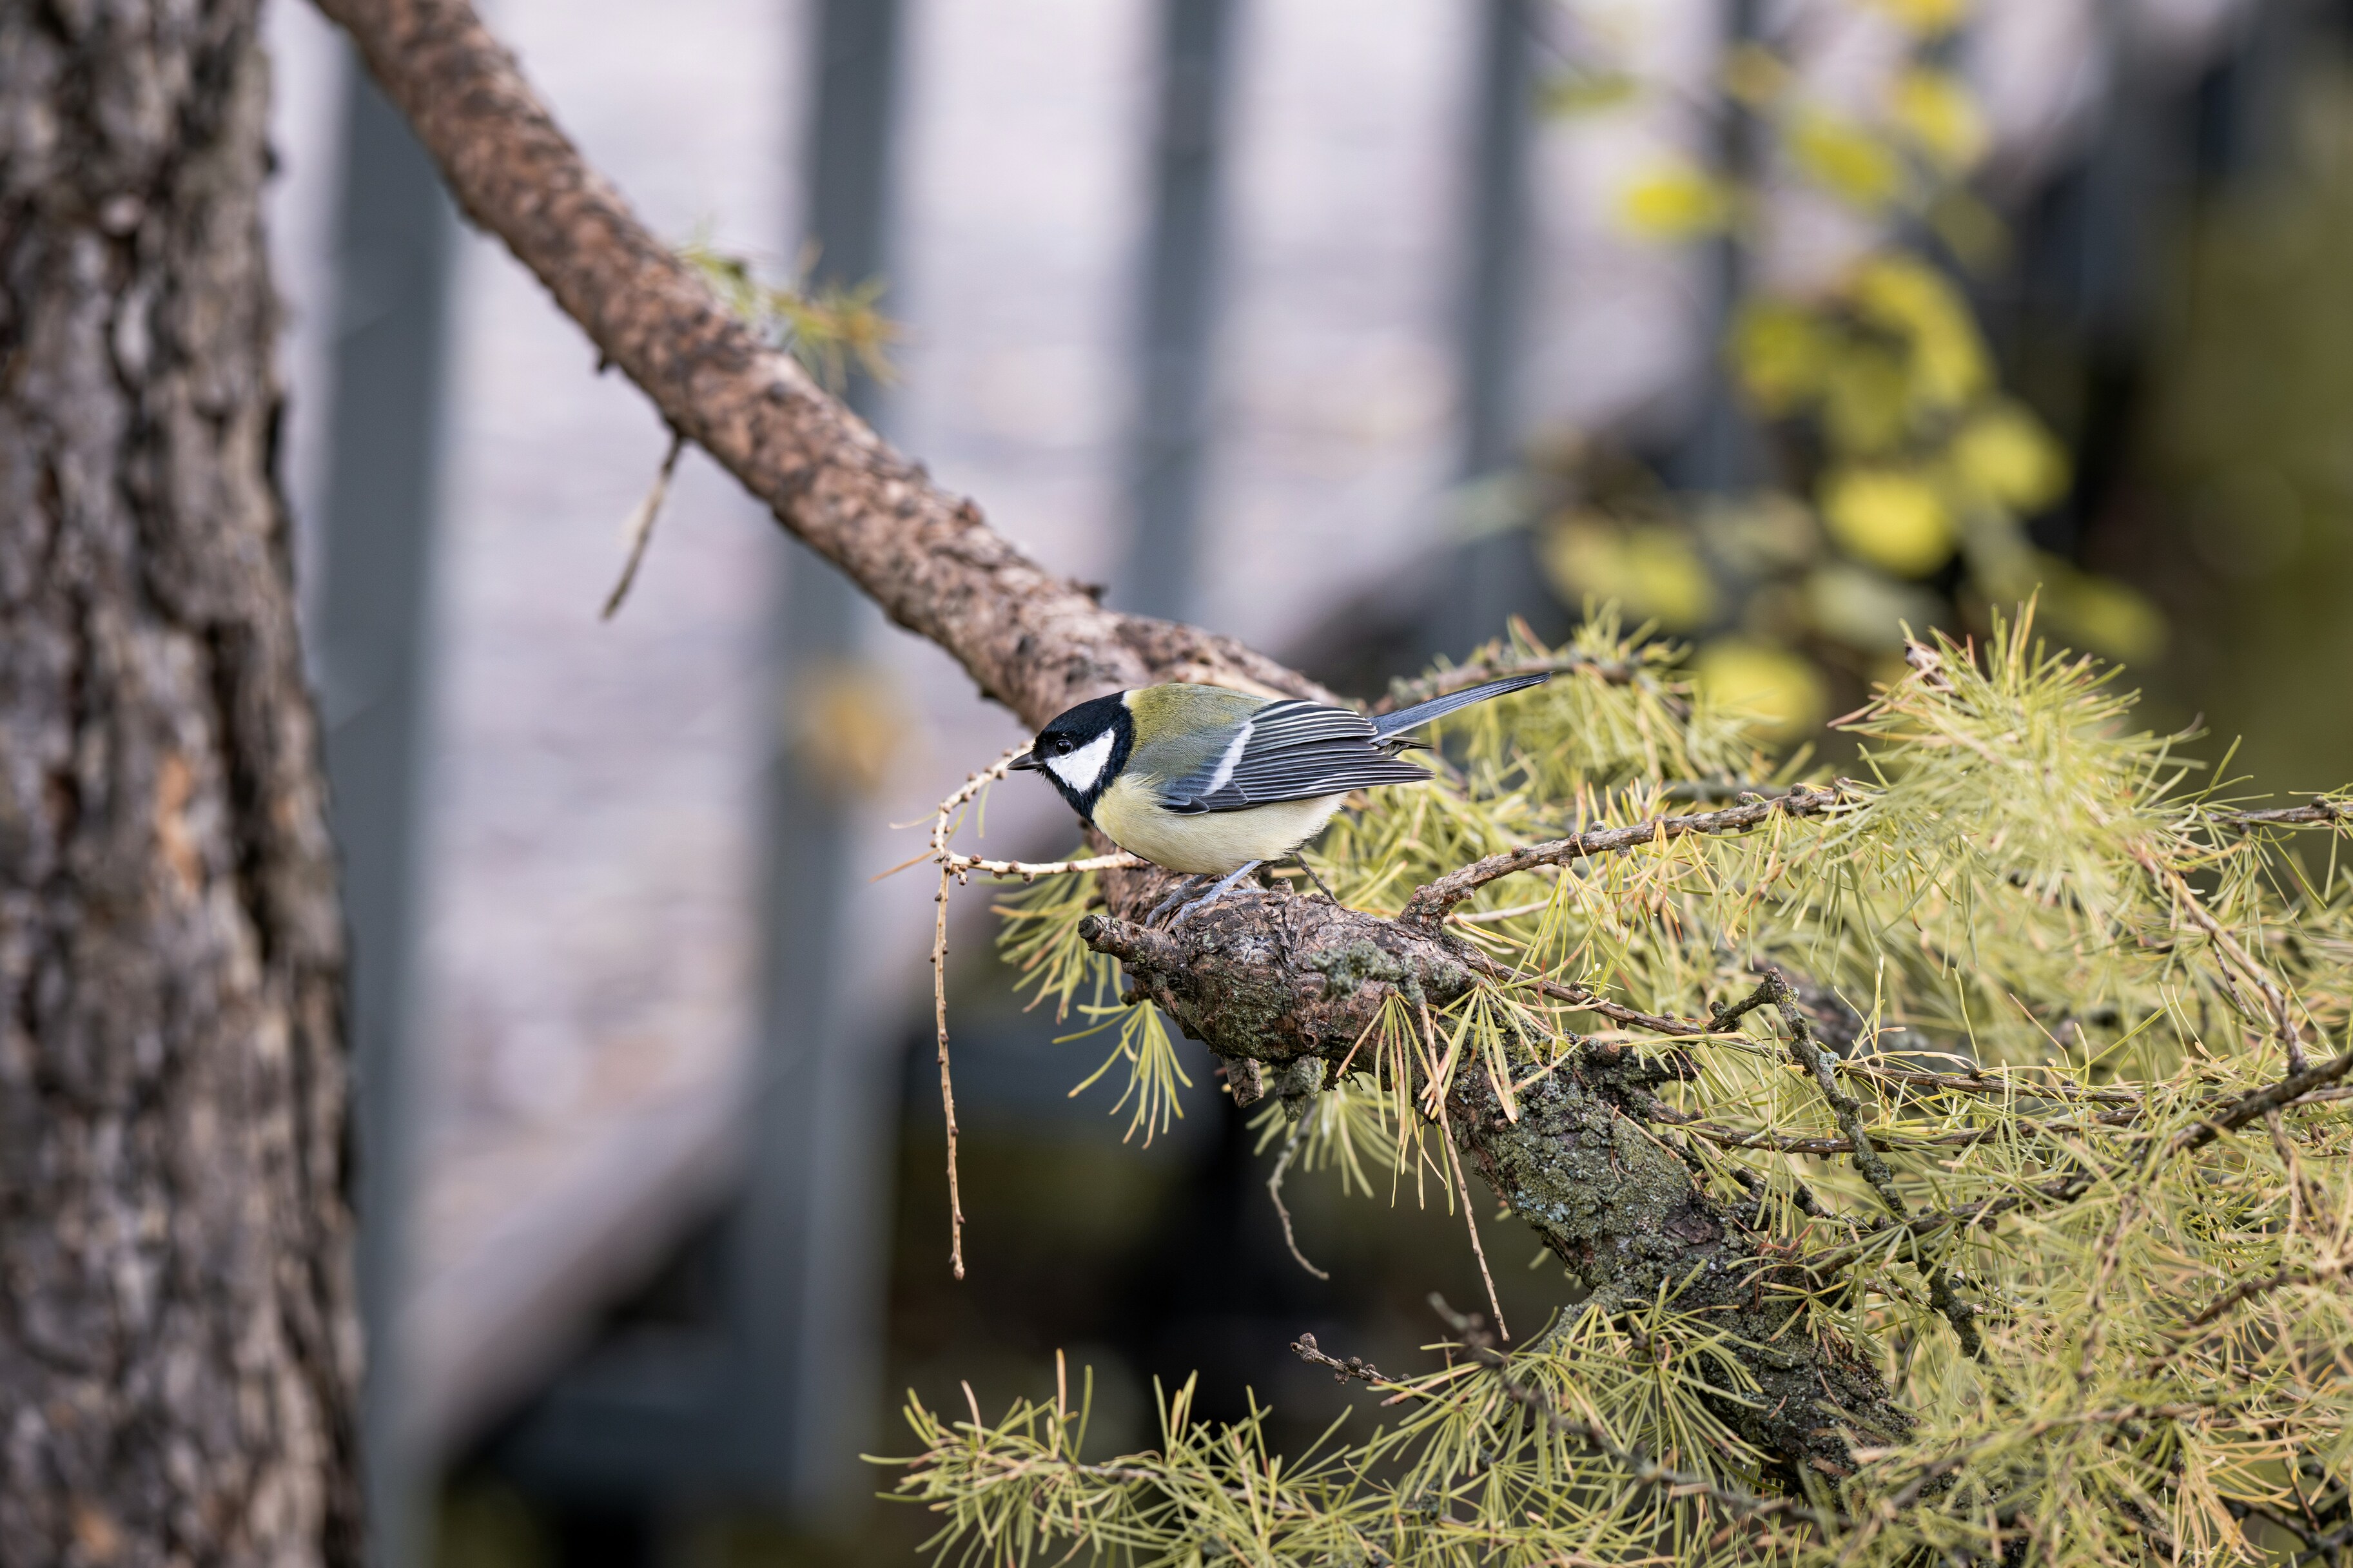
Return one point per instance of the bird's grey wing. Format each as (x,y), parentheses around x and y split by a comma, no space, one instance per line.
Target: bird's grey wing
(1288,751)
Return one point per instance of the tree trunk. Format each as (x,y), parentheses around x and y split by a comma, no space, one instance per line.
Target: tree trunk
(178,1353)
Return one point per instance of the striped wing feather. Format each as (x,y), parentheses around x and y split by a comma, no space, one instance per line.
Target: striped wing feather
(1292,751)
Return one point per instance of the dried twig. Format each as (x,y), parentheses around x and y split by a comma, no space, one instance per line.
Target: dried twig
(641,526)
(1463,1190)
(2319,814)
(954,869)
(947,1089)
(1283,1211)
(1305,1348)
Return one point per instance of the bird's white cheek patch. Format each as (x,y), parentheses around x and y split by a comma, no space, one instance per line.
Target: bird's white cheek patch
(1082,767)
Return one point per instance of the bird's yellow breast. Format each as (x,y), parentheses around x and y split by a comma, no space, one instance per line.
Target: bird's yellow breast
(1213,842)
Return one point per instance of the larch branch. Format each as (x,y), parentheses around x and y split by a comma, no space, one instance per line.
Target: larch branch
(1431,902)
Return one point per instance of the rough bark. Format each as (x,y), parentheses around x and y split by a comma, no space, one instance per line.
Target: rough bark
(178,1348)
(1266,978)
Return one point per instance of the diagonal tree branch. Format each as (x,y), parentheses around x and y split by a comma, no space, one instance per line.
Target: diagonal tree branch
(1034,641)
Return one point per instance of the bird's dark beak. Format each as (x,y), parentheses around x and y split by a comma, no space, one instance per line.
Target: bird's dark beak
(1027,762)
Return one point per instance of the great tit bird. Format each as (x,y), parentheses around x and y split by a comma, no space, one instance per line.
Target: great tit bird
(1215,782)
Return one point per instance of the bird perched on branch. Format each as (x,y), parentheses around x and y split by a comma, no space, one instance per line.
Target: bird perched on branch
(1210,782)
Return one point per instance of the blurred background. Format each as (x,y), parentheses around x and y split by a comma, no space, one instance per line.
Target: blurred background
(1351,330)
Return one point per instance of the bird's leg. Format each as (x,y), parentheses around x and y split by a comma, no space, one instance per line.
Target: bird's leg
(1184,886)
(1224,887)
(1301,861)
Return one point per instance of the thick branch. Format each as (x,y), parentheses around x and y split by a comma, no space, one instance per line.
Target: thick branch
(1034,641)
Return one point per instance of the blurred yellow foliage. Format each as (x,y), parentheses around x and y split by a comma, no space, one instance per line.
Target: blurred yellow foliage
(1779,689)
(1856,164)
(848,723)
(1934,109)
(1882,381)
(1972,230)
(1927,16)
(2009,454)
(1651,568)
(1866,398)
(1907,297)
(1859,607)
(2102,614)
(1754,75)
(1672,201)
(1892,518)
(1589,91)
(1782,354)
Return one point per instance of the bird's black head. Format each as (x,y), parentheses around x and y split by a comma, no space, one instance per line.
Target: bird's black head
(1084,749)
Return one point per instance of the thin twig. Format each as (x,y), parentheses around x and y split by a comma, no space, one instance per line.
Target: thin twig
(2118,1415)
(1820,1063)
(1583,1000)
(1432,901)
(1305,1348)
(2283,1016)
(1463,1190)
(953,868)
(2250,1107)
(641,526)
(2319,814)
(1779,1143)
(947,1089)
(2247,1290)
(1274,1190)
(1980,1083)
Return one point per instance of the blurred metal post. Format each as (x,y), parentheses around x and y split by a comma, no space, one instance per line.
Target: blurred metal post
(805,1254)
(2244,96)
(1719,452)
(1491,570)
(1169,443)
(393,233)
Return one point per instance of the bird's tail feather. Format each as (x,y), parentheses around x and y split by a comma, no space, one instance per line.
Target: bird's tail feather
(1390,724)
